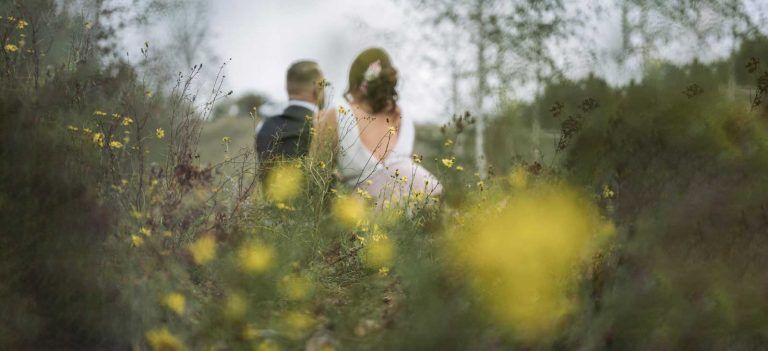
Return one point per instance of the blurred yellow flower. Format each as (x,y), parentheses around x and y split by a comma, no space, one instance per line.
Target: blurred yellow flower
(350,211)
(99,113)
(267,345)
(448,162)
(379,251)
(459,168)
(145,231)
(255,258)
(226,140)
(21,24)
(284,183)
(519,177)
(159,133)
(175,302)
(204,249)
(296,287)
(72,128)
(296,324)
(250,332)
(448,142)
(524,260)
(11,48)
(160,339)
(127,121)
(235,306)
(115,144)
(136,241)
(391,131)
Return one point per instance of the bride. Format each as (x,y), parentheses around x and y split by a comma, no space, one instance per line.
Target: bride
(368,140)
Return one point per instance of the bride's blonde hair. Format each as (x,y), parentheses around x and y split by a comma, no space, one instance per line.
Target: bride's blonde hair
(372,78)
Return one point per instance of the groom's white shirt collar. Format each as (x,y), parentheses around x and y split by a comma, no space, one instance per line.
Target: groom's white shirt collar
(305,104)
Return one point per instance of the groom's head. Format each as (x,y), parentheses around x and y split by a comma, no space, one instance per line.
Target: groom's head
(304,82)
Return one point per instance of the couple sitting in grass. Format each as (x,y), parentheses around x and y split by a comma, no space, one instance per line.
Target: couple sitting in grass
(368,140)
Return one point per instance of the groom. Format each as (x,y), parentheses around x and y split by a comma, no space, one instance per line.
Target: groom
(287,135)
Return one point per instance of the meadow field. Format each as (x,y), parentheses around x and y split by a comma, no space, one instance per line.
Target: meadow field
(629,217)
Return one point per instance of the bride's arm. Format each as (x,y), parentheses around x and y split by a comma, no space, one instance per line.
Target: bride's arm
(325,140)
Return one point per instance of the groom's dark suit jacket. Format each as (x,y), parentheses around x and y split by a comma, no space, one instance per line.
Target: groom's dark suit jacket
(284,136)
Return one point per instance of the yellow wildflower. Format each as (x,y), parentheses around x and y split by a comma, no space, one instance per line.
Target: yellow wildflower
(296,324)
(11,48)
(88,25)
(448,162)
(284,183)
(235,306)
(384,271)
(175,302)
(255,258)
(226,140)
(267,345)
(391,131)
(459,168)
(519,177)
(127,121)
(295,287)
(204,249)
(342,110)
(607,192)
(380,251)
(136,241)
(448,142)
(21,24)
(250,332)
(145,231)
(99,113)
(160,339)
(98,139)
(159,133)
(72,128)
(115,144)
(350,211)
(521,261)
(417,158)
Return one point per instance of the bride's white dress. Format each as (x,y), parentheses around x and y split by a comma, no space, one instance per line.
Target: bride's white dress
(388,180)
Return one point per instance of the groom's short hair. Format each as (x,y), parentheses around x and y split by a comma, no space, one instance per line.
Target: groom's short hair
(302,75)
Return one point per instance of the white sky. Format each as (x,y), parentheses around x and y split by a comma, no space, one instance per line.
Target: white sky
(263,37)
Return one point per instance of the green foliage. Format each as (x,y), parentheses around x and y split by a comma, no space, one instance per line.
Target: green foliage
(685,156)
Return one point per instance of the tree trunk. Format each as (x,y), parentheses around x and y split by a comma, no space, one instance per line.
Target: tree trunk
(482,73)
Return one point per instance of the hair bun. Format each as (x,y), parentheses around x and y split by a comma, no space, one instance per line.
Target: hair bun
(380,92)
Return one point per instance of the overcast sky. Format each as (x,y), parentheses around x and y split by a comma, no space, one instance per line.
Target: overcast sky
(263,37)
